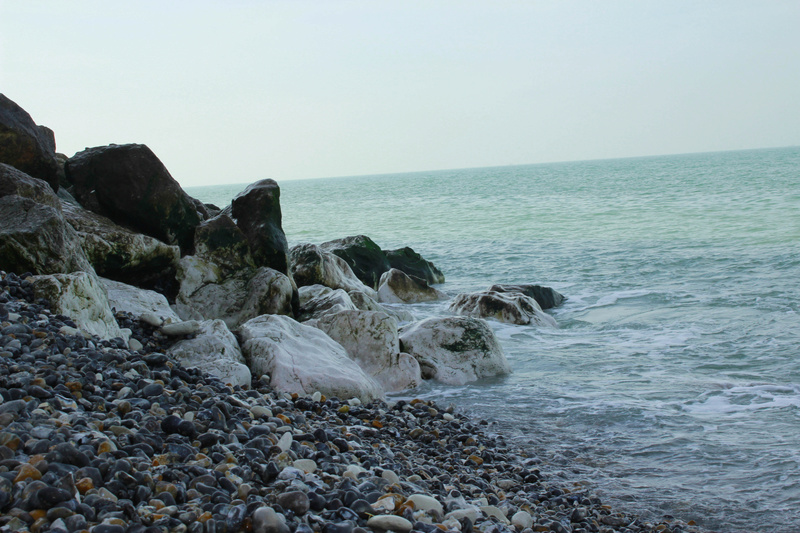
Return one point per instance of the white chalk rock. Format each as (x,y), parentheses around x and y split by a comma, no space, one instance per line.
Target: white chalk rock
(312,265)
(397,287)
(302,359)
(454,350)
(511,307)
(82,297)
(371,340)
(206,293)
(141,303)
(215,351)
(423,502)
(366,302)
(389,523)
(522,520)
(324,302)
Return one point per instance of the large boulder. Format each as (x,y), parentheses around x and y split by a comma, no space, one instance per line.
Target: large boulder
(371,340)
(219,240)
(546,297)
(312,265)
(206,293)
(26,146)
(215,351)
(413,264)
(365,302)
(318,300)
(131,186)
(121,254)
(397,287)
(511,307)
(454,350)
(82,297)
(34,237)
(257,212)
(145,305)
(302,359)
(365,258)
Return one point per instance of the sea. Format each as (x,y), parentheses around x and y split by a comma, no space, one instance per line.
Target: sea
(671,386)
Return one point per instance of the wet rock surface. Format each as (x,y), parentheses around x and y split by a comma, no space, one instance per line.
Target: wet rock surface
(97,438)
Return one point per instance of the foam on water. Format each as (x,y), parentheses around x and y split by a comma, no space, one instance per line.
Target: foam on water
(672,384)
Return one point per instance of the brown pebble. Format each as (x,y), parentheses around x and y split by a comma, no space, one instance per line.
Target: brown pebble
(27,471)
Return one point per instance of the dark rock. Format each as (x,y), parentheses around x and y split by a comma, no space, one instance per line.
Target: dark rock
(257,212)
(413,264)
(123,255)
(398,287)
(295,501)
(220,241)
(26,146)
(34,237)
(546,297)
(129,184)
(365,258)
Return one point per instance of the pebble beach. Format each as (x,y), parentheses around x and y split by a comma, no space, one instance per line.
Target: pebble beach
(96,437)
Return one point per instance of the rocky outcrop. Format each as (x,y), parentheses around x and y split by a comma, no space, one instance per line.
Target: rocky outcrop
(366,302)
(257,212)
(26,146)
(118,253)
(413,264)
(397,287)
(454,350)
(312,265)
(82,297)
(206,293)
(511,307)
(546,297)
(220,241)
(129,184)
(302,359)
(145,305)
(366,259)
(371,340)
(34,237)
(215,351)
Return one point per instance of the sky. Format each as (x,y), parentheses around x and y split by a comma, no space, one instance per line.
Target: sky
(236,91)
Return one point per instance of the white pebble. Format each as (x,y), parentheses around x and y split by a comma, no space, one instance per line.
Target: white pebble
(285,442)
(389,522)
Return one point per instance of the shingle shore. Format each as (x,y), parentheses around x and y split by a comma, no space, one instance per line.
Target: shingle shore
(95,437)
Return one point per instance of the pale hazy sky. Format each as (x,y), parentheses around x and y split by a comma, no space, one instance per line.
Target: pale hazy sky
(235,91)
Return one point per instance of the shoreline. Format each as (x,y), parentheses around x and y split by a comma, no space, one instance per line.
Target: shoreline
(156,447)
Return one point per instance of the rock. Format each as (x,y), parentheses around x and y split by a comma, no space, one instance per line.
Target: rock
(82,297)
(389,523)
(302,359)
(371,340)
(205,293)
(214,350)
(312,265)
(397,287)
(423,502)
(511,307)
(118,253)
(367,261)
(129,184)
(26,146)
(220,241)
(257,212)
(522,520)
(34,237)
(141,303)
(322,302)
(368,303)
(546,297)
(181,329)
(413,264)
(266,520)
(454,350)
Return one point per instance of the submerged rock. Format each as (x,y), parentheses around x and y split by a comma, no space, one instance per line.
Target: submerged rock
(511,307)
(366,259)
(546,297)
(454,350)
(413,264)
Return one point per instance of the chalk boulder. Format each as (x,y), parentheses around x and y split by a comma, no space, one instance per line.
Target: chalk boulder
(454,350)
(318,300)
(82,297)
(397,287)
(366,259)
(312,265)
(302,359)
(413,264)
(511,307)
(546,297)
(146,305)
(214,350)
(371,340)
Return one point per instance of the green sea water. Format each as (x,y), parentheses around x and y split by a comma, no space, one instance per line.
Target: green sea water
(672,384)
